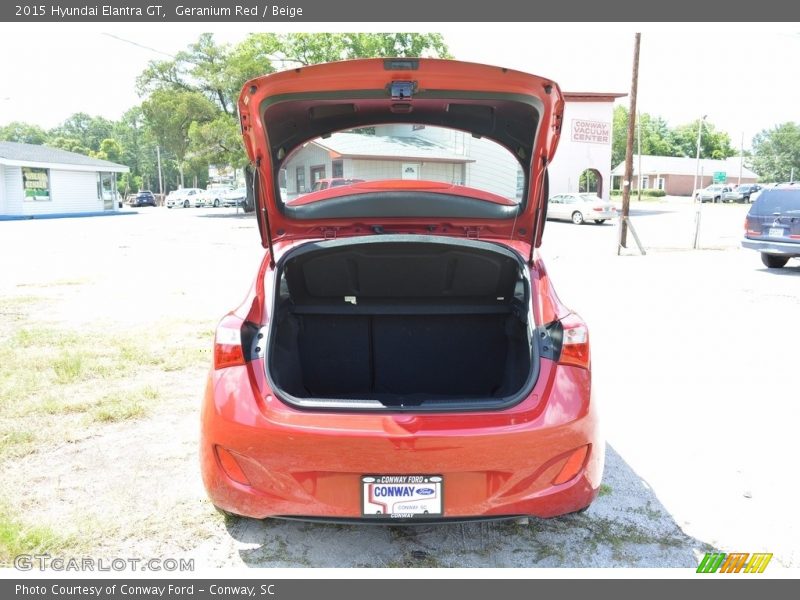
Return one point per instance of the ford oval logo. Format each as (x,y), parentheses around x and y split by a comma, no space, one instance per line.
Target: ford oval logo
(425,491)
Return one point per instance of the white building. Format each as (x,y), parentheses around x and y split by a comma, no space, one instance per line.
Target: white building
(38,180)
(585,144)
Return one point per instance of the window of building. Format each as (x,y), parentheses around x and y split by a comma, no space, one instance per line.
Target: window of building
(36,184)
(300,179)
(645,182)
(337,168)
(317,173)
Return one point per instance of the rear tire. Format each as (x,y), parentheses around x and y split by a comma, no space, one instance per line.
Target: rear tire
(185,204)
(216,203)
(773,262)
(577,217)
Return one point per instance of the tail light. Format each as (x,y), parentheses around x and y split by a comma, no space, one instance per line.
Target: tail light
(574,342)
(228,351)
(750,226)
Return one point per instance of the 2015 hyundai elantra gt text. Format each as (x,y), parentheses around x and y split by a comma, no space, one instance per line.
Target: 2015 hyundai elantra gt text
(402,353)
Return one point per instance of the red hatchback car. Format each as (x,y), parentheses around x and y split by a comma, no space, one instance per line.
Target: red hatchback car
(402,354)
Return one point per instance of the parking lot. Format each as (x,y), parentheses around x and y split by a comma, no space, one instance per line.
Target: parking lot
(106,327)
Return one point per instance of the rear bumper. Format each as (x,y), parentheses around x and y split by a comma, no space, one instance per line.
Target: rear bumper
(310,464)
(779,248)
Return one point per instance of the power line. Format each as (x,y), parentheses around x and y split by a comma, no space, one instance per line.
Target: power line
(116,37)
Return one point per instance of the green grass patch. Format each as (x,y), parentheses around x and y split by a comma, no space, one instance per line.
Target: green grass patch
(124,406)
(19,538)
(15,443)
(605,490)
(69,368)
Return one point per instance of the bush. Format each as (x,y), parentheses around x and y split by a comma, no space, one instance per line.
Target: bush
(645,193)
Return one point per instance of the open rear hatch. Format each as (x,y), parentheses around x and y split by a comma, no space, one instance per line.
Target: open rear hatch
(282,112)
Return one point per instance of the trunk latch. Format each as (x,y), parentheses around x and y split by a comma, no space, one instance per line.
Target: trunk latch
(329,234)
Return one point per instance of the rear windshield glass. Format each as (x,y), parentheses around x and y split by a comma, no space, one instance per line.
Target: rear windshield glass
(401,152)
(777,201)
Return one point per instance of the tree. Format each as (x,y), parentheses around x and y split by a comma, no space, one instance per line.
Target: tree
(110,149)
(69,144)
(170,114)
(659,139)
(776,151)
(24,133)
(88,130)
(713,143)
(218,71)
(138,147)
(218,142)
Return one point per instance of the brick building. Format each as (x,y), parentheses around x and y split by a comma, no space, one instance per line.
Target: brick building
(675,174)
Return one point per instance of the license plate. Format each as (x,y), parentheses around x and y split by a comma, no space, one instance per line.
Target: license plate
(776,232)
(401,496)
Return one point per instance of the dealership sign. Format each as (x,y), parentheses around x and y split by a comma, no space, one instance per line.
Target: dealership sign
(593,132)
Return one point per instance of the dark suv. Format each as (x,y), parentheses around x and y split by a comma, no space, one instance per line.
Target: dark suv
(772,226)
(743,193)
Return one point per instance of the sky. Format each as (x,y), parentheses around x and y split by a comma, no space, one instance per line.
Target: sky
(742,76)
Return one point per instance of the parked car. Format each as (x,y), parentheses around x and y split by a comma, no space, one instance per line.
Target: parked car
(211,197)
(235,197)
(183,197)
(580,208)
(743,193)
(713,193)
(772,226)
(144,198)
(324,184)
(402,355)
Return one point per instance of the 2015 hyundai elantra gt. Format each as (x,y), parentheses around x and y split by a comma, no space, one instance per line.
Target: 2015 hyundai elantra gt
(401,353)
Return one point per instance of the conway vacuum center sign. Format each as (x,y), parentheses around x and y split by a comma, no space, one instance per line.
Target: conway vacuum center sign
(594,132)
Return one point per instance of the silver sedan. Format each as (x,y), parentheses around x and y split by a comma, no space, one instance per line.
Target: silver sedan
(580,208)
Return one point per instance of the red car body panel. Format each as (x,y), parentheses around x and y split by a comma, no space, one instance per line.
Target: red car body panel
(263,457)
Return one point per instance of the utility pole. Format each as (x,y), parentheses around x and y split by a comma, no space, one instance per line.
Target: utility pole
(160,180)
(741,160)
(697,214)
(626,184)
(639,154)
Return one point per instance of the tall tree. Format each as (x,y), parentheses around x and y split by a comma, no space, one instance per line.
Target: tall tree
(25,133)
(88,130)
(218,70)
(169,116)
(713,143)
(776,152)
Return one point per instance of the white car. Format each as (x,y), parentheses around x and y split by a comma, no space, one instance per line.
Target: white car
(212,197)
(182,198)
(235,197)
(580,207)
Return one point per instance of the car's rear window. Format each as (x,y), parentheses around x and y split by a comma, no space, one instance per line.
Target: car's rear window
(777,201)
(402,151)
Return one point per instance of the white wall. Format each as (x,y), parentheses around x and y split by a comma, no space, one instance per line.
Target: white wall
(2,190)
(573,157)
(13,190)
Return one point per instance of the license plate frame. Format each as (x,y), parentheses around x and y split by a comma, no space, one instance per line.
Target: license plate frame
(402,496)
(776,232)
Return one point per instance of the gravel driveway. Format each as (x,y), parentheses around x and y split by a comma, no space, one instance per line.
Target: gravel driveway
(687,346)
